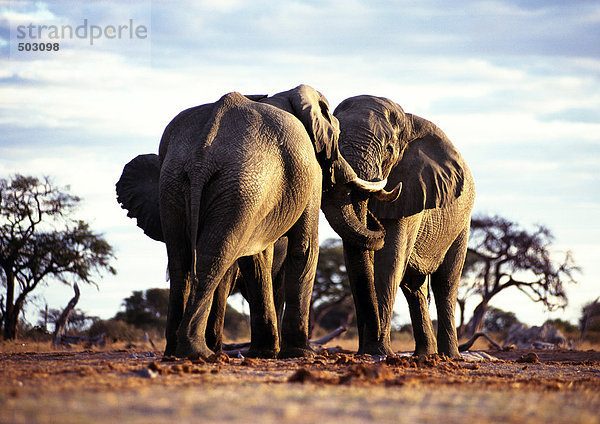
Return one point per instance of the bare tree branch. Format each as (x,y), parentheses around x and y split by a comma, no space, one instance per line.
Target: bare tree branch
(503,255)
(60,325)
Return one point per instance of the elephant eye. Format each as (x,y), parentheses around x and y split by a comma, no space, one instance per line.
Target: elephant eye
(390,149)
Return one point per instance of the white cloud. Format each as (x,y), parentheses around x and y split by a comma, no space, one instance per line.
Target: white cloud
(221,6)
(21,12)
(522,167)
(503,9)
(437,60)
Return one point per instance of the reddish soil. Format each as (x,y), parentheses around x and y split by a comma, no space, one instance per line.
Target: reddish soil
(60,377)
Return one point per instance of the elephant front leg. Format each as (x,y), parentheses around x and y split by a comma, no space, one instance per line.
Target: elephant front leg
(444,284)
(256,270)
(359,265)
(389,265)
(386,295)
(415,290)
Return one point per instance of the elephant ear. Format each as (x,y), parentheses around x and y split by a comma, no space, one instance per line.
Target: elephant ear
(432,173)
(312,109)
(137,192)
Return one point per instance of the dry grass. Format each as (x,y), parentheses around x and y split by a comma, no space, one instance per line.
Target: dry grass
(25,346)
(21,346)
(586,345)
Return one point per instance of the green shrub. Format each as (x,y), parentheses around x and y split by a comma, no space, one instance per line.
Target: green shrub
(35,334)
(592,332)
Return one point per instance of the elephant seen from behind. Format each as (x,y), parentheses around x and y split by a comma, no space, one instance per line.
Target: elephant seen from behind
(422,233)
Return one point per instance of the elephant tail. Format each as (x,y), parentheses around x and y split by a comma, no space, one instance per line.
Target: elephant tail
(196,187)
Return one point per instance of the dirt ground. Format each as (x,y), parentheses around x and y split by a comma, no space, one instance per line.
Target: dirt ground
(140,386)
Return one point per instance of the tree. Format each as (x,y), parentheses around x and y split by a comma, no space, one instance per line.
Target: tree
(468,287)
(40,241)
(590,318)
(236,324)
(502,255)
(567,328)
(332,287)
(146,309)
(498,321)
(77,322)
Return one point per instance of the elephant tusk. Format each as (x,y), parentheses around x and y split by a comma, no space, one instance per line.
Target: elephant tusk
(389,196)
(368,186)
(377,188)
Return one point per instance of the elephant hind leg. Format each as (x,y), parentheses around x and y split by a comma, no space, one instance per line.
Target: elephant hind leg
(256,270)
(300,267)
(179,264)
(415,291)
(216,318)
(444,283)
(191,334)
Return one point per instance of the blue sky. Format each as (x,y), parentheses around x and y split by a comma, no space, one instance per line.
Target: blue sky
(514,84)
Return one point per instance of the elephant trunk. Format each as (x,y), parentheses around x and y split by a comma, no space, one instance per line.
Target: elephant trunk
(362,231)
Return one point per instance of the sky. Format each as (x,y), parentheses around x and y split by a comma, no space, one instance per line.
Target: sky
(514,84)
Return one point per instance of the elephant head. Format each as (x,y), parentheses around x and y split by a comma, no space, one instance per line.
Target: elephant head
(381,141)
(312,109)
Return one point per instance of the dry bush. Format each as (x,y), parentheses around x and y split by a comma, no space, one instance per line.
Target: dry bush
(116,330)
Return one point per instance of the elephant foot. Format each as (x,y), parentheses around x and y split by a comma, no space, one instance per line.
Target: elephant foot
(193,351)
(262,353)
(169,351)
(296,352)
(450,353)
(215,347)
(425,351)
(425,347)
(376,349)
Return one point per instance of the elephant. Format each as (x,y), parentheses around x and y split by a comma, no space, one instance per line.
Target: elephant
(137,191)
(234,177)
(422,233)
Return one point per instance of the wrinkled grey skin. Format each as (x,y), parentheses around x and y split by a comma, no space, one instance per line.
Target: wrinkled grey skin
(236,277)
(137,191)
(236,176)
(425,231)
